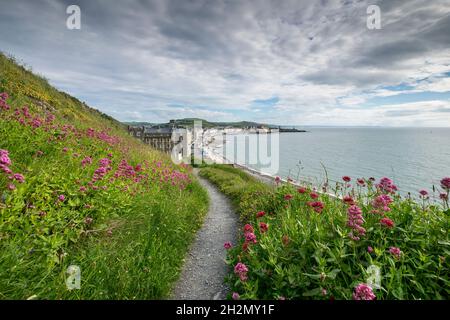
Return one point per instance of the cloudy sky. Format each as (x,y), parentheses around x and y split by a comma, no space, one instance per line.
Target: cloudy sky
(280,61)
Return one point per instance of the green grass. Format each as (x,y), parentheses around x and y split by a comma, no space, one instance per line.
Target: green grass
(128,230)
(306,254)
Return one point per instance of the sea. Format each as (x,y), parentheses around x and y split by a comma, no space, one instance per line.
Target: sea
(415,158)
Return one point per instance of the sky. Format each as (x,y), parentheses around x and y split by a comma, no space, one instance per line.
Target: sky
(286,62)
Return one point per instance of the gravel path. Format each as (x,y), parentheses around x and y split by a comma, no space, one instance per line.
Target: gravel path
(205,267)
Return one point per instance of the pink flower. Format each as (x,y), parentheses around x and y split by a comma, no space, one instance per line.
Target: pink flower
(65,149)
(313,195)
(288,197)
(11,187)
(369,249)
(382,202)
(277,180)
(250,237)
(355,222)
(227,245)
(346,178)
(386,185)
(348,200)
(361,182)
(445,183)
(363,292)
(423,193)
(443,196)
(83,189)
(241,270)
(301,190)
(248,228)
(86,161)
(4,157)
(61,198)
(235,296)
(105,162)
(387,223)
(260,214)
(88,220)
(263,227)
(396,252)
(316,205)
(19,178)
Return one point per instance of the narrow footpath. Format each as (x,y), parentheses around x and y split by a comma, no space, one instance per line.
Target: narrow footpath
(205,268)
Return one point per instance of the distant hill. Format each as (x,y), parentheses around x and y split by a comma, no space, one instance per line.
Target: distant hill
(189,122)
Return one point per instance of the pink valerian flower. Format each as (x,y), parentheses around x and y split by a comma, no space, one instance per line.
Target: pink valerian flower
(313,195)
(65,149)
(301,190)
(423,193)
(346,178)
(235,296)
(5,169)
(260,214)
(396,252)
(363,292)
(227,245)
(83,189)
(277,180)
(4,157)
(288,197)
(18,177)
(3,98)
(250,237)
(11,187)
(61,198)
(361,182)
(86,161)
(263,227)
(386,185)
(36,123)
(105,162)
(348,200)
(382,202)
(369,249)
(355,222)
(241,270)
(316,205)
(388,223)
(445,183)
(248,228)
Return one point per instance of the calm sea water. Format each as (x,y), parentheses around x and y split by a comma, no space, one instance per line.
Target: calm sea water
(415,158)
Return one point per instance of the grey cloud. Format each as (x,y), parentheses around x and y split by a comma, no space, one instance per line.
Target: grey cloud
(142,56)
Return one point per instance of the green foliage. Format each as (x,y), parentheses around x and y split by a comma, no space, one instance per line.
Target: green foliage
(128,227)
(246,193)
(305,254)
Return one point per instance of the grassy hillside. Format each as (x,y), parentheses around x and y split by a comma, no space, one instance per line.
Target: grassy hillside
(367,243)
(77,190)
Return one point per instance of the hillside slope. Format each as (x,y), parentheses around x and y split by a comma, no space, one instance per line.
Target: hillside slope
(76,189)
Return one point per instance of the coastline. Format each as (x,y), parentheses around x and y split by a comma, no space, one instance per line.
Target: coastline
(212,157)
